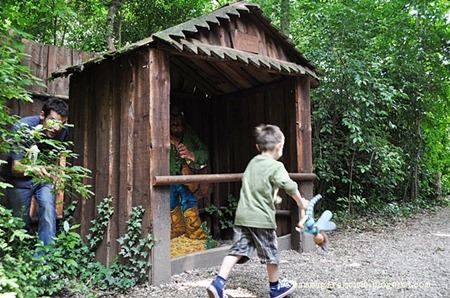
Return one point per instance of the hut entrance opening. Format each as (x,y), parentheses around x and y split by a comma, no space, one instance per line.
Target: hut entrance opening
(223,102)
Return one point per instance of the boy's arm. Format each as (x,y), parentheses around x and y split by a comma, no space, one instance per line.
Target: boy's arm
(302,203)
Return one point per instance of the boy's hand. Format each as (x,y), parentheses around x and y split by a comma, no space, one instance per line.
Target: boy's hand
(301,224)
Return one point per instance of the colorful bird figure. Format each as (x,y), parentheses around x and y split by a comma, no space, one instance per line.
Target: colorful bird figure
(317,228)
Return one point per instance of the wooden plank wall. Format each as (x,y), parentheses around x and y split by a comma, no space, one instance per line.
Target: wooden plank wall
(158,143)
(304,154)
(110,105)
(43,60)
(267,43)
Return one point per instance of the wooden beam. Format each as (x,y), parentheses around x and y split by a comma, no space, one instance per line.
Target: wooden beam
(217,178)
(188,68)
(303,242)
(258,89)
(159,146)
(188,96)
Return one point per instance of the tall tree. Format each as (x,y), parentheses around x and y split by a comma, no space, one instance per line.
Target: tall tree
(73,24)
(113,9)
(141,18)
(285,15)
(98,25)
(382,74)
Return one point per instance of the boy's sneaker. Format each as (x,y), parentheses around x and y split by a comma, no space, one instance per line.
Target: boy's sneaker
(215,290)
(285,287)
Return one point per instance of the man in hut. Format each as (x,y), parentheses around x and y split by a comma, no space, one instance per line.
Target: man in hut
(188,156)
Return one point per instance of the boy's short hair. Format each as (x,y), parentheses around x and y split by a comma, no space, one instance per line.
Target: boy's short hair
(268,136)
(56,104)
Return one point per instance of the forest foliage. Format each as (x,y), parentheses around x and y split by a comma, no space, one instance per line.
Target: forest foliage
(380,116)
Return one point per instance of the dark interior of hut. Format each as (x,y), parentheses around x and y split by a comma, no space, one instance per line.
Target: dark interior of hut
(224,102)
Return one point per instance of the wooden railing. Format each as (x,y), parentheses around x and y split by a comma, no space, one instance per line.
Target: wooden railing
(218,178)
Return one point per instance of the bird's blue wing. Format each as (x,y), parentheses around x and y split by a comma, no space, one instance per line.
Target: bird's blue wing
(324,223)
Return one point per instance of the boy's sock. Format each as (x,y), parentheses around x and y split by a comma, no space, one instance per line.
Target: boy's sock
(221,281)
(273,285)
(282,288)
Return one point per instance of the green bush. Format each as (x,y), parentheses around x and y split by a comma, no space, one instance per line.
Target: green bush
(18,271)
(33,270)
(226,213)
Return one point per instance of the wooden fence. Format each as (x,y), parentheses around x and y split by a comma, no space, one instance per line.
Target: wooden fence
(43,60)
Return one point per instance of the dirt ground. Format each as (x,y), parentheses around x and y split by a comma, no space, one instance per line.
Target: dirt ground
(407,258)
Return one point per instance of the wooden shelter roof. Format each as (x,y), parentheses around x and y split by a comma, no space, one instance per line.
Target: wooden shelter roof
(195,58)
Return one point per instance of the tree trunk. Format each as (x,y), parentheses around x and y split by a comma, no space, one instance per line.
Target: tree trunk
(114,7)
(285,16)
(439,185)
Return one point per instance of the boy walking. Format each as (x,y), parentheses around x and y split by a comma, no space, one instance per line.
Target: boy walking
(255,224)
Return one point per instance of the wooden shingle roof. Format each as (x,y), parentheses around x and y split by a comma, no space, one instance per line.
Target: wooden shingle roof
(194,54)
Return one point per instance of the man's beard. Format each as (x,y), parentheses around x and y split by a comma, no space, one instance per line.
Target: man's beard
(176,131)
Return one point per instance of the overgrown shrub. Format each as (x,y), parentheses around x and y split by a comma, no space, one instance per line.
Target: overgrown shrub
(34,270)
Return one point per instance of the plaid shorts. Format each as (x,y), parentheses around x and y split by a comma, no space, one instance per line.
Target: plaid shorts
(247,239)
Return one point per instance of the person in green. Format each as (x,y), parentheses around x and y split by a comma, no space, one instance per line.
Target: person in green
(188,155)
(255,224)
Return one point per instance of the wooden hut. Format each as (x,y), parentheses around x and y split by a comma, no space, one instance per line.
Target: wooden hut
(229,70)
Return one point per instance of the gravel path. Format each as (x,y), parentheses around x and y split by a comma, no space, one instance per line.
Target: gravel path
(409,258)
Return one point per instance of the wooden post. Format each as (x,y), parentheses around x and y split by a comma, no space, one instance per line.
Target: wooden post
(302,242)
(159,76)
